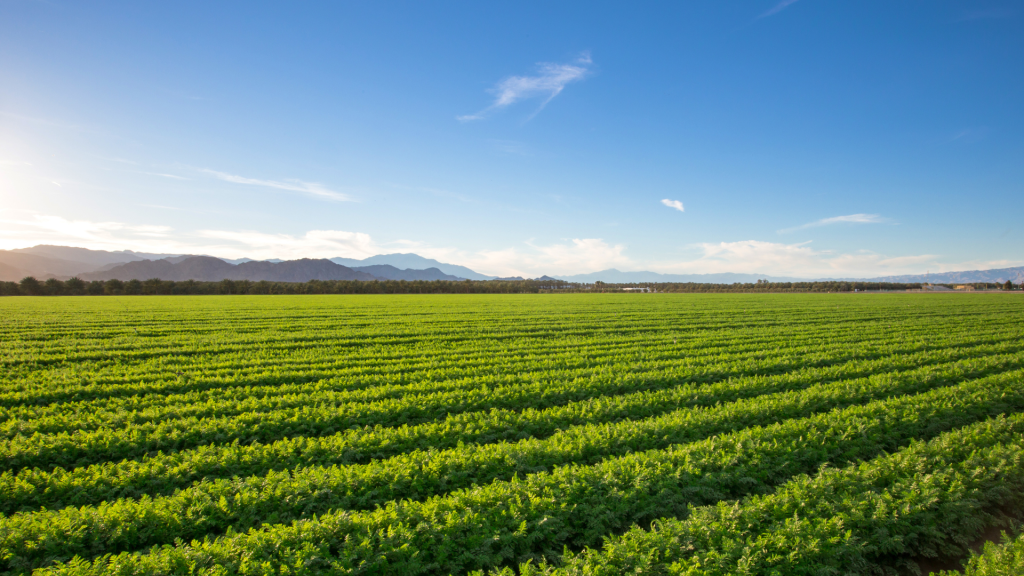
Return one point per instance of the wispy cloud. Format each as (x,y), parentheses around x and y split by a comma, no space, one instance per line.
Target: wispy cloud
(22,229)
(848,219)
(313,244)
(162,175)
(796,260)
(778,8)
(675,204)
(576,256)
(549,82)
(311,188)
(120,160)
(442,193)
(512,147)
(969,135)
(19,229)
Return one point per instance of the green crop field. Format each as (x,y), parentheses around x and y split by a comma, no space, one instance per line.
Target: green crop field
(536,434)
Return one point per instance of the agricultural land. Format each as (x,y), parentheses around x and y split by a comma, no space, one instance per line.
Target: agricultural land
(597,434)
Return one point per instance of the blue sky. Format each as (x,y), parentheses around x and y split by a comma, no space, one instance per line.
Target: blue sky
(803,138)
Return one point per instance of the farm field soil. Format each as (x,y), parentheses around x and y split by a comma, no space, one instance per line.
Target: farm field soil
(521,434)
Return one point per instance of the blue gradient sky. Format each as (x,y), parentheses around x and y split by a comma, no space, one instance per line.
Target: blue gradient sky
(802,138)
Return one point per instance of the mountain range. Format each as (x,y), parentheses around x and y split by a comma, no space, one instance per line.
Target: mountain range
(63,262)
(210,269)
(1016,275)
(613,276)
(412,262)
(999,275)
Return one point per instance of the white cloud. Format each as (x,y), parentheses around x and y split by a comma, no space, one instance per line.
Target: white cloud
(311,188)
(778,8)
(577,256)
(848,219)
(673,204)
(162,175)
(19,229)
(796,260)
(549,82)
(28,229)
(313,244)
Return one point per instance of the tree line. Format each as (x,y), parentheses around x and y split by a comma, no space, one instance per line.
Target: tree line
(76,287)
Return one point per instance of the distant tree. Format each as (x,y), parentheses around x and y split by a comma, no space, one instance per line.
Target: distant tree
(157,286)
(54,287)
(1008,285)
(154,286)
(30,286)
(228,286)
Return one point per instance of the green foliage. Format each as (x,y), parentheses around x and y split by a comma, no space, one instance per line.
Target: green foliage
(576,434)
(927,499)
(1005,559)
(156,286)
(30,286)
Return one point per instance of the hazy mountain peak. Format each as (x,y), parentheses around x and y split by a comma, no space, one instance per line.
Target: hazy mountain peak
(408,261)
(210,269)
(45,261)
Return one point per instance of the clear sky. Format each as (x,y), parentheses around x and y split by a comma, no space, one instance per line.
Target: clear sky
(803,137)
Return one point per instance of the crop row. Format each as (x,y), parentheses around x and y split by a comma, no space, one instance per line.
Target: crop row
(566,362)
(159,318)
(108,379)
(136,411)
(1004,559)
(151,341)
(212,507)
(107,444)
(927,500)
(33,487)
(574,505)
(262,342)
(61,385)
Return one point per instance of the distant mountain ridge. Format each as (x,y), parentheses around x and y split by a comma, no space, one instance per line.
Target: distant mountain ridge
(1000,275)
(412,261)
(17,265)
(62,262)
(46,261)
(388,272)
(613,276)
(210,269)
(87,256)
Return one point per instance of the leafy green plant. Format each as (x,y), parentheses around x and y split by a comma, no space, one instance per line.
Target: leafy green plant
(1004,559)
(577,433)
